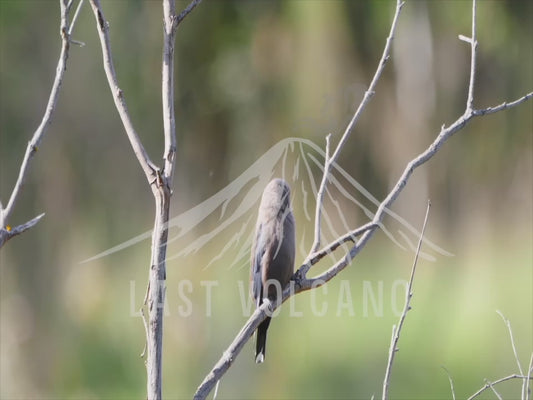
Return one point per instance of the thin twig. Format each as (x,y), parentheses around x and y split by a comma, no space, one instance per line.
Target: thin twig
(75,17)
(487,385)
(508,324)
(408,295)
(329,161)
(371,89)
(503,106)
(529,372)
(320,198)
(38,135)
(167,89)
(473,44)
(349,128)
(331,247)
(150,170)
(494,390)
(8,232)
(216,390)
(145,324)
(186,11)
(451,381)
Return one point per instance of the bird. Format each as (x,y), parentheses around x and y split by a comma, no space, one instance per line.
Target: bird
(273,250)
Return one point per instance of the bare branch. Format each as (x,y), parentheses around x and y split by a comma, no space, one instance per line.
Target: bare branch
(451,382)
(525,378)
(328,161)
(156,291)
(422,158)
(235,347)
(529,372)
(159,180)
(260,314)
(503,106)
(167,90)
(150,170)
(498,395)
(186,11)
(366,99)
(494,390)
(408,295)
(488,385)
(348,237)
(7,232)
(372,88)
(508,324)
(38,135)
(74,19)
(145,323)
(320,198)
(473,45)
(300,282)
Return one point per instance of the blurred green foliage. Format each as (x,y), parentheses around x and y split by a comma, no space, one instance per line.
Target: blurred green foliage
(248,74)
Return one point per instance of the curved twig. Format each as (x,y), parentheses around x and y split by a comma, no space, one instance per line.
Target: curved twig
(150,170)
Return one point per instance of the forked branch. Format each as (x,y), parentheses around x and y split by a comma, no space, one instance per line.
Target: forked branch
(369,93)
(159,179)
(6,232)
(300,281)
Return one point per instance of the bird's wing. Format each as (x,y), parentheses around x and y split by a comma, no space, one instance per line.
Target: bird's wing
(257,257)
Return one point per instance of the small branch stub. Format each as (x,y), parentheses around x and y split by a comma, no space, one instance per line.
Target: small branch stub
(7,232)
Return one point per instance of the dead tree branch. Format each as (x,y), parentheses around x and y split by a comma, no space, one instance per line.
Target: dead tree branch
(9,232)
(300,281)
(369,93)
(159,179)
(396,329)
(525,382)
(149,168)
(6,231)
(490,385)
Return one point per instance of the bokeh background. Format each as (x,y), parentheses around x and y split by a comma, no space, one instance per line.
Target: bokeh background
(249,74)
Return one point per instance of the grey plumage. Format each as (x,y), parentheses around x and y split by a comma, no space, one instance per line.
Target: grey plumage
(272,251)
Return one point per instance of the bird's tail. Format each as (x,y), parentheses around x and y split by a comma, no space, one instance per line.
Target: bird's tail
(260,345)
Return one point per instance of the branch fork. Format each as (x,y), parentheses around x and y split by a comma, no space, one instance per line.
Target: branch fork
(299,279)
(65,31)
(158,178)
